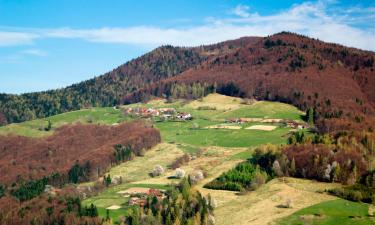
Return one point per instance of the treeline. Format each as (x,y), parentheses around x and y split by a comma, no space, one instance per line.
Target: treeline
(105,90)
(182,205)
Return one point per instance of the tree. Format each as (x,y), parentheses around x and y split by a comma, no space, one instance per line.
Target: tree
(310,116)
(179,173)
(49,125)
(292,170)
(337,173)
(107,180)
(157,171)
(277,169)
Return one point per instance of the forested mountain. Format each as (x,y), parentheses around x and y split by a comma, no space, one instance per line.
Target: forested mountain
(334,81)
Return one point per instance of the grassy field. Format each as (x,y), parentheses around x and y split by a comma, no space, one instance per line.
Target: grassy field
(34,128)
(339,211)
(190,133)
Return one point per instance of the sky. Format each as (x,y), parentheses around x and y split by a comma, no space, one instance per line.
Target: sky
(48,44)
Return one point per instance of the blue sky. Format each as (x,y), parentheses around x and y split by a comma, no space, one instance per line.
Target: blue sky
(47,44)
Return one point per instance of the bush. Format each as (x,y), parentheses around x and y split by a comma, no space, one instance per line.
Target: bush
(196,176)
(179,173)
(157,171)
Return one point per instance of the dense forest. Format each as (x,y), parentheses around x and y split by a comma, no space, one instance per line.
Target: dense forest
(85,151)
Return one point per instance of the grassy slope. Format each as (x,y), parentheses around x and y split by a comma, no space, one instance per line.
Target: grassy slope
(181,132)
(106,115)
(331,212)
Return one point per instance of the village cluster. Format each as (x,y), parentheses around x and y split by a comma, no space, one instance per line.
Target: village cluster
(163,113)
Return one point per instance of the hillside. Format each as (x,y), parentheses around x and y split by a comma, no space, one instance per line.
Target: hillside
(334,80)
(23,158)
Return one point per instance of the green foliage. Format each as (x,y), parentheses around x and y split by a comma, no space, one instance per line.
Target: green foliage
(79,173)
(244,176)
(310,116)
(123,153)
(30,189)
(269,43)
(107,180)
(298,137)
(2,191)
(91,211)
(49,126)
(183,205)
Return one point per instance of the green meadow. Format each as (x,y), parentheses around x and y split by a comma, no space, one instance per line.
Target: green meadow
(333,212)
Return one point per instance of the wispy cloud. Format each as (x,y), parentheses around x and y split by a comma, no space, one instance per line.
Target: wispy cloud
(34,52)
(241,10)
(8,38)
(313,19)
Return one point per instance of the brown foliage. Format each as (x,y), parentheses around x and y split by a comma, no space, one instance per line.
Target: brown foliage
(335,80)
(28,158)
(42,210)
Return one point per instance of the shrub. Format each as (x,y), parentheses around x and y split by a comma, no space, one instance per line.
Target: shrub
(157,171)
(179,173)
(196,176)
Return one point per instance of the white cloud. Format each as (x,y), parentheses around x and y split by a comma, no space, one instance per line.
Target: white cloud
(34,52)
(16,38)
(241,10)
(313,19)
